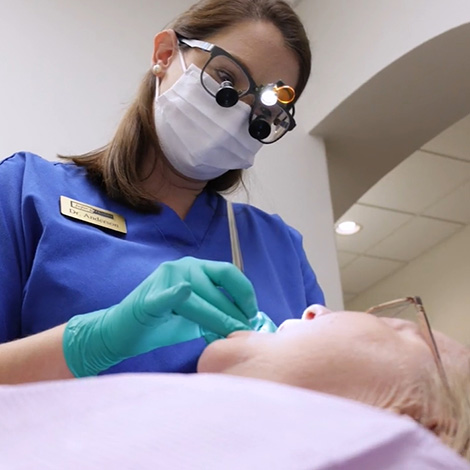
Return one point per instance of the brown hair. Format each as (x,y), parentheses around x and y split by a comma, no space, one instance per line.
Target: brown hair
(116,166)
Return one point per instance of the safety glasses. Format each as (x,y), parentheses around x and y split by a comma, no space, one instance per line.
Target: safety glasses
(228,81)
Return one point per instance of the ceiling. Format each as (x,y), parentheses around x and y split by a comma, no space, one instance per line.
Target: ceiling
(415,207)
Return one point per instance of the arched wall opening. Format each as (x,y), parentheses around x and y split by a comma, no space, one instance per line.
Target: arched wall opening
(394,113)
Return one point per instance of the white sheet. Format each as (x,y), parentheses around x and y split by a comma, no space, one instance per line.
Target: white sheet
(173,422)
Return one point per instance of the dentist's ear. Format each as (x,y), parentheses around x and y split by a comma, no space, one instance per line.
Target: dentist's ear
(313,310)
(165,47)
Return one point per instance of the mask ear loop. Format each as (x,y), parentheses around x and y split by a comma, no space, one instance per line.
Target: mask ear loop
(157,88)
(183,64)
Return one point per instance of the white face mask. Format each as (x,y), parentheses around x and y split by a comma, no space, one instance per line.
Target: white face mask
(201,139)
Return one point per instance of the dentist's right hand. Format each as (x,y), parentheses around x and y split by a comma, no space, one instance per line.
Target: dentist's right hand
(180,301)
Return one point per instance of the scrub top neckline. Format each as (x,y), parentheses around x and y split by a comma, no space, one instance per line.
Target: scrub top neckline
(191,231)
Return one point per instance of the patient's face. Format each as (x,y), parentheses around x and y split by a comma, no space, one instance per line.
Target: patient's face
(350,354)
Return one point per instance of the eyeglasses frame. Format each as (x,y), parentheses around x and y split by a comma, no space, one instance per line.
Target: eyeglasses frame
(253,89)
(423,324)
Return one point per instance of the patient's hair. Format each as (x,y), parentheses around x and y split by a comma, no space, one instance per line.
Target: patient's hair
(444,411)
(455,404)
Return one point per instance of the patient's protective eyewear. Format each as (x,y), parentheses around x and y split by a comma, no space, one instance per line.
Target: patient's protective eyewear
(228,80)
(396,308)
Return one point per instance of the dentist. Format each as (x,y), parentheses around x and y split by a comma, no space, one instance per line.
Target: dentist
(119,260)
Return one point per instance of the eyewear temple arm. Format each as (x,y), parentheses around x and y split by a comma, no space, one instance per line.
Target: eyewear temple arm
(205,46)
(424,326)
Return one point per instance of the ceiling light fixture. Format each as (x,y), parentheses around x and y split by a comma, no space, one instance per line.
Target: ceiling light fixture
(348,227)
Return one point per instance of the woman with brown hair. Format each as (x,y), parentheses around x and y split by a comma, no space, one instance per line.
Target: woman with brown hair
(118,260)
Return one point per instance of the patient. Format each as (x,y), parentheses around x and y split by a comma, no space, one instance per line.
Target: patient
(384,362)
(214,421)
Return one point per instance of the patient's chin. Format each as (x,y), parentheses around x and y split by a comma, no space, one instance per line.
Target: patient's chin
(206,362)
(226,353)
(215,358)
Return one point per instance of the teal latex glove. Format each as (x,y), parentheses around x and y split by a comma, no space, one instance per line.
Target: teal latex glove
(261,322)
(178,302)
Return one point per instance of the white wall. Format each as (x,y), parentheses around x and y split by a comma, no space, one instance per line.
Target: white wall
(70,68)
(442,279)
(352,40)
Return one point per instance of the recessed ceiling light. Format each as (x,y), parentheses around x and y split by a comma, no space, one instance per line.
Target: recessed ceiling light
(348,227)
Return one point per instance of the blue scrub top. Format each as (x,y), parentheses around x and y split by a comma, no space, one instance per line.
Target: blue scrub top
(53,267)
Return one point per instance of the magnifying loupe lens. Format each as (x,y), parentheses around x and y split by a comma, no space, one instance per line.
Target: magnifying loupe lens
(227,96)
(259,129)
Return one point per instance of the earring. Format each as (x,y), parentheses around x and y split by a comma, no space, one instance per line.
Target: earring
(157,69)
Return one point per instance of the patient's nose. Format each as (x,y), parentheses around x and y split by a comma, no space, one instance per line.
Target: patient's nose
(314,310)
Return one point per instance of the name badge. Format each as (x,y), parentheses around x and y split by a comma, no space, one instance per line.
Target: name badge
(92,215)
